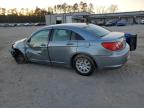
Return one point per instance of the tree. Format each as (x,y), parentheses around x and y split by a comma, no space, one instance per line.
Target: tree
(31,12)
(59,8)
(113,8)
(43,12)
(2,11)
(81,6)
(27,12)
(64,7)
(85,7)
(55,8)
(37,11)
(69,8)
(75,7)
(21,11)
(90,8)
(50,10)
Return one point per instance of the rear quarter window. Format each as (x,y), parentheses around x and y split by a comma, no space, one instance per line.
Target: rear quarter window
(75,36)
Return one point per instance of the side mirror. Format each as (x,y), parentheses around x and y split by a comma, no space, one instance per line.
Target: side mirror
(28,41)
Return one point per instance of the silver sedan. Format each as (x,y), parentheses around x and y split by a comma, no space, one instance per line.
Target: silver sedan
(85,47)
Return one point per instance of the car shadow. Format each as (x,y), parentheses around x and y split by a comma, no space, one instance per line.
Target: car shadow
(104,72)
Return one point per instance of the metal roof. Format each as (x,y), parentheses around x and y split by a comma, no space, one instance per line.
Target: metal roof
(72,13)
(134,13)
(77,25)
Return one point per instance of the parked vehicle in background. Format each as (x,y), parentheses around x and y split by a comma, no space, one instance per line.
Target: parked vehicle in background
(27,24)
(85,47)
(121,23)
(100,23)
(6,25)
(142,21)
(39,24)
(18,24)
(111,22)
(1,25)
(11,25)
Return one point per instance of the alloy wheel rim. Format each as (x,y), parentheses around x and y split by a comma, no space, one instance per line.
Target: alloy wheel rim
(83,65)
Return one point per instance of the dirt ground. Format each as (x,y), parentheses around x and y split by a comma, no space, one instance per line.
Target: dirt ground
(41,86)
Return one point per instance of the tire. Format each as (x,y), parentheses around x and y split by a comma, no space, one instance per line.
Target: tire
(84,65)
(19,58)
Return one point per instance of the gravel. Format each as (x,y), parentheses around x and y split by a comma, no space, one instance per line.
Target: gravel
(42,86)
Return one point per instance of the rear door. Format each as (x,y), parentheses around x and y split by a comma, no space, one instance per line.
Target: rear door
(37,46)
(61,47)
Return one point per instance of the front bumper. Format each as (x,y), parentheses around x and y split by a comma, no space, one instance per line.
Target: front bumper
(12,51)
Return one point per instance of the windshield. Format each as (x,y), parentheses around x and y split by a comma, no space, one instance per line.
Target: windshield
(96,30)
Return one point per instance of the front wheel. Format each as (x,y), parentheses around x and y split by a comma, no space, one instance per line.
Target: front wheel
(19,58)
(84,65)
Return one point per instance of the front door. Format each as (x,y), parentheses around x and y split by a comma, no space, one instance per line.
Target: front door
(37,47)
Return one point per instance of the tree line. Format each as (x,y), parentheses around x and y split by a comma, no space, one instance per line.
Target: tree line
(38,14)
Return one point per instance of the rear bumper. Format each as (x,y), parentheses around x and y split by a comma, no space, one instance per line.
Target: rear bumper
(116,60)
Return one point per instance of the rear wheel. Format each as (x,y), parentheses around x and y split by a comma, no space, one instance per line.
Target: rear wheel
(84,65)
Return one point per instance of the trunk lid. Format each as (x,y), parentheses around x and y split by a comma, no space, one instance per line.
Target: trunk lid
(113,36)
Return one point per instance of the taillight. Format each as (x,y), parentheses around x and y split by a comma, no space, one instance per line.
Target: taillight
(114,46)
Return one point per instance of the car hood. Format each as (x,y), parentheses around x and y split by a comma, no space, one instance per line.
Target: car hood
(113,36)
(20,43)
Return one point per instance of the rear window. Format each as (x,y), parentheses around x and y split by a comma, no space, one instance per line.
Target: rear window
(96,30)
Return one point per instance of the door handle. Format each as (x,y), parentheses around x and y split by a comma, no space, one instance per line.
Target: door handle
(69,44)
(43,45)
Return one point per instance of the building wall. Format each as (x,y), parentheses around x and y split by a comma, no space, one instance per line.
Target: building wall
(131,17)
(50,19)
(47,19)
(138,19)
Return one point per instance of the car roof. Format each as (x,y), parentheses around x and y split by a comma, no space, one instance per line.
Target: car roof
(69,25)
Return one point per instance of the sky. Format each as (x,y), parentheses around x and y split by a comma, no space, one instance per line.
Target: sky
(123,5)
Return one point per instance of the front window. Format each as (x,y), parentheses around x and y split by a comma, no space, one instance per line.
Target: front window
(39,39)
(96,30)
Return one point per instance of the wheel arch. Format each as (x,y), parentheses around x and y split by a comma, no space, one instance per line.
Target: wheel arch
(18,51)
(88,55)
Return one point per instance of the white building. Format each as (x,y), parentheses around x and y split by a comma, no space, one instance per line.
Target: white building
(65,18)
